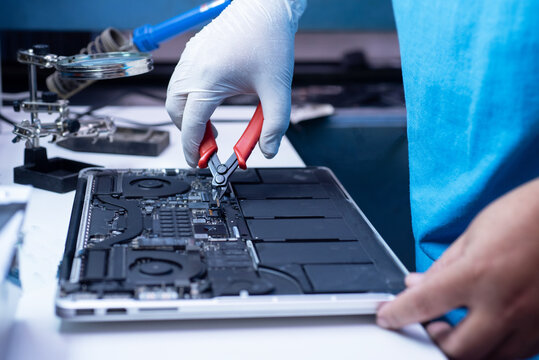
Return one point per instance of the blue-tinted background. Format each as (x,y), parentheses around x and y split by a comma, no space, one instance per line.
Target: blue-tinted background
(95,15)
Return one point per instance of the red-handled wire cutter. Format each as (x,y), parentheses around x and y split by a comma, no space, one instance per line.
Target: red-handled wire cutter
(242,150)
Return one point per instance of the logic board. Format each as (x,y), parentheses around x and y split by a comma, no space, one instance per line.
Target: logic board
(156,234)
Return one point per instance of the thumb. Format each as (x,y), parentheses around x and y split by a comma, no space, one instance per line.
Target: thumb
(429,299)
(276,104)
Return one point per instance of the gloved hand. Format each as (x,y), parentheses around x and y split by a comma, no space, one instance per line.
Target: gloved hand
(249,48)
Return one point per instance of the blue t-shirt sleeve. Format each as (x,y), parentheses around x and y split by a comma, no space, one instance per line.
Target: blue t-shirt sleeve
(471,78)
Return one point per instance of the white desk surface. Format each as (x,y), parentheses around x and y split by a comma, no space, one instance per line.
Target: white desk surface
(39,334)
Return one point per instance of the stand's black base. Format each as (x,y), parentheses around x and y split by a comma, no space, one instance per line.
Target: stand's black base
(56,174)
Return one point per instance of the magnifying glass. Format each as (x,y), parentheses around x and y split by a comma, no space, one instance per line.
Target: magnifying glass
(101,66)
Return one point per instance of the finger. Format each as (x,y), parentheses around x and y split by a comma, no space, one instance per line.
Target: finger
(177,92)
(199,107)
(276,104)
(452,254)
(215,131)
(430,299)
(413,279)
(175,105)
(439,330)
(474,337)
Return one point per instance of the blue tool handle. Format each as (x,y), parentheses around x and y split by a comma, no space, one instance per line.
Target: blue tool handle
(147,38)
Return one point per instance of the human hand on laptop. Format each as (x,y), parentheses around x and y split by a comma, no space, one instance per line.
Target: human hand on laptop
(249,48)
(493,271)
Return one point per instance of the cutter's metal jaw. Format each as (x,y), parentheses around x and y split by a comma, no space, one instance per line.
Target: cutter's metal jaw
(242,150)
(221,174)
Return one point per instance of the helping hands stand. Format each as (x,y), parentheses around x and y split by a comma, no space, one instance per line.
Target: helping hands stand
(56,174)
(59,174)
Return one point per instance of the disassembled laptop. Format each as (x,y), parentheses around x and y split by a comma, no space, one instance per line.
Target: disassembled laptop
(156,241)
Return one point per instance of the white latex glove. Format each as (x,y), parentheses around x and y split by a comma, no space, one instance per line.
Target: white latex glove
(249,48)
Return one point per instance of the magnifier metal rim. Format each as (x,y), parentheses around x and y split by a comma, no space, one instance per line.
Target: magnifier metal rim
(113,65)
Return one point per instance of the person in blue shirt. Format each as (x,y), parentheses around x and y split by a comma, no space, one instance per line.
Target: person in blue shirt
(471,78)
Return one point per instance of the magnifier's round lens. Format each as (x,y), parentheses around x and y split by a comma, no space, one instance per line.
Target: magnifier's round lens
(105,65)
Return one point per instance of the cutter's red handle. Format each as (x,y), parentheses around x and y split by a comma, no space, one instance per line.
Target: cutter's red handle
(208,146)
(247,142)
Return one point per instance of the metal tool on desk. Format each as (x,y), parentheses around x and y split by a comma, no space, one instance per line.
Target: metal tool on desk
(57,174)
(95,66)
(242,150)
